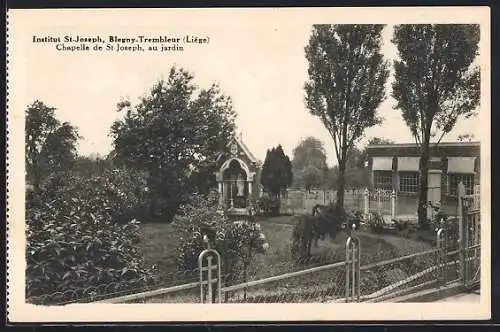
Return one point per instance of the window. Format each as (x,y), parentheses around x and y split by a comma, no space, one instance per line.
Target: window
(382,180)
(408,182)
(454,180)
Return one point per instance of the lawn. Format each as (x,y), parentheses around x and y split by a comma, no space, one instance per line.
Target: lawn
(160,243)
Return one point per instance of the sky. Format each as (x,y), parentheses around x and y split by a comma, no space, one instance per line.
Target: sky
(262,67)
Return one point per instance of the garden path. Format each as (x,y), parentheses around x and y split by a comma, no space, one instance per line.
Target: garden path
(403,244)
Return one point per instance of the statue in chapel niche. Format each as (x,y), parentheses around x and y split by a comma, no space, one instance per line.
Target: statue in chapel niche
(235,178)
(240,182)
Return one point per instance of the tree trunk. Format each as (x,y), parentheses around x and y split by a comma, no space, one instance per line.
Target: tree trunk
(341,184)
(422,192)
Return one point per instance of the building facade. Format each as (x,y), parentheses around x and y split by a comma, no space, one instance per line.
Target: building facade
(238,176)
(396,167)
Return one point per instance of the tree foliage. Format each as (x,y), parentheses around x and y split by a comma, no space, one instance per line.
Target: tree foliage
(465,138)
(175,133)
(435,84)
(79,236)
(269,205)
(276,171)
(309,163)
(50,145)
(347,74)
(91,165)
(356,174)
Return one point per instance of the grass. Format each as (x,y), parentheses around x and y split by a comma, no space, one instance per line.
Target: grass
(160,243)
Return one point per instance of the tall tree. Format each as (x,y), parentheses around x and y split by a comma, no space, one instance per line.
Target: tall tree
(331,177)
(276,171)
(435,83)
(50,145)
(174,133)
(347,74)
(309,163)
(356,174)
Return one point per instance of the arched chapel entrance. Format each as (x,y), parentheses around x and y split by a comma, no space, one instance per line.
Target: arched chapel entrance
(235,185)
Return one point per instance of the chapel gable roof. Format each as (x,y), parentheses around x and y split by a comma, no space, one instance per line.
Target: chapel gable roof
(241,145)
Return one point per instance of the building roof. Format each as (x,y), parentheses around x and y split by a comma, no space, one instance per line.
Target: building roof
(239,140)
(413,145)
(443,149)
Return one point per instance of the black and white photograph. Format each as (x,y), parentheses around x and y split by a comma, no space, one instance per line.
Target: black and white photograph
(251,158)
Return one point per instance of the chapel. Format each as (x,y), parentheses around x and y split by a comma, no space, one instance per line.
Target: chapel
(238,178)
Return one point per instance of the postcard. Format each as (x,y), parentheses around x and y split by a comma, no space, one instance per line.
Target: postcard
(250,164)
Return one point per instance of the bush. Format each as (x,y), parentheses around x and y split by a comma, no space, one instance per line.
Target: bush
(269,205)
(199,222)
(354,218)
(402,224)
(376,222)
(329,221)
(74,241)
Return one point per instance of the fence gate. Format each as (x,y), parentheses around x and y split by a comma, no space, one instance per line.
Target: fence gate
(207,280)
(470,237)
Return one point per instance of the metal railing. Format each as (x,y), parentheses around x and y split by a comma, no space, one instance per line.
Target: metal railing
(337,279)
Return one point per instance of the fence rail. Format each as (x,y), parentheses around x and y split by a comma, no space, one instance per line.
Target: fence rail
(455,257)
(345,280)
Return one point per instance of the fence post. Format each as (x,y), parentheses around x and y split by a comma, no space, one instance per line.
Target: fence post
(353,271)
(441,256)
(379,201)
(366,203)
(393,205)
(461,233)
(348,245)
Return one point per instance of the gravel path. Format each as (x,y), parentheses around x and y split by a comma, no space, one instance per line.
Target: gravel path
(404,245)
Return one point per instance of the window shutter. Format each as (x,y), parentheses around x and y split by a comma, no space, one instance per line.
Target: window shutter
(382,164)
(408,164)
(463,165)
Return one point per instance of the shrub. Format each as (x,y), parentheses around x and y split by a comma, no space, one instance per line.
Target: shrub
(376,222)
(238,242)
(329,221)
(354,218)
(401,224)
(73,239)
(269,205)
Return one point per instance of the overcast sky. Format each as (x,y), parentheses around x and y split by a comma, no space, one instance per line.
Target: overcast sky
(261,66)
